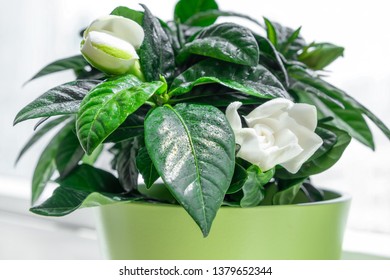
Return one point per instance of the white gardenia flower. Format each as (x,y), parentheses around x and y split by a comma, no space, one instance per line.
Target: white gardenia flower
(279,132)
(110,42)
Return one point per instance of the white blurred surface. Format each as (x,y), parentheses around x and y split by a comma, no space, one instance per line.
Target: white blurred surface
(34,33)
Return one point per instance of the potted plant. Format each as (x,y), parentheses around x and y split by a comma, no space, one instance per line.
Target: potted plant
(233,122)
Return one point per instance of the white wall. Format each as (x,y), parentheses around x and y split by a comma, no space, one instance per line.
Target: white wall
(34,33)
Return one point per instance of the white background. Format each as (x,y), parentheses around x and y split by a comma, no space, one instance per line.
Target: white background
(34,33)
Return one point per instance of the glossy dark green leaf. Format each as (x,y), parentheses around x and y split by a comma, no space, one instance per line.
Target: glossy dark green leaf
(253,188)
(329,139)
(270,57)
(156,52)
(40,122)
(285,46)
(185,9)
(289,192)
(318,164)
(271,32)
(226,41)
(256,81)
(298,86)
(39,134)
(285,39)
(132,127)
(76,63)
(239,177)
(126,164)
(45,167)
(342,97)
(204,18)
(347,118)
(85,186)
(63,201)
(217,97)
(312,193)
(62,100)
(269,193)
(108,105)
(193,149)
(146,167)
(90,73)
(381,125)
(90,179)
(319,55)
(122,11)
(66,200)
(69,153)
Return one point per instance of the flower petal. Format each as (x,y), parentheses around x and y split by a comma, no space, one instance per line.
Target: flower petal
(305,115)
(124,28)
(270,108)
(276,155)
(250,143)
(108,53)
(307,140)
(232,115)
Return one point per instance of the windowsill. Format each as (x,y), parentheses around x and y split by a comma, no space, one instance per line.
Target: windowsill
(28,236)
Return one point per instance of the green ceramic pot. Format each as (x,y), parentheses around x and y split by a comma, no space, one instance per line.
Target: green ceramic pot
(162,231)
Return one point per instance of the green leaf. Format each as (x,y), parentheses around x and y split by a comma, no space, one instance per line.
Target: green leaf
(298,86)
(86,186)
(290,42)
(342,97)
(253,188)
(347,118)
(256,81)
(185,9)
(329,139)
(312,193)
(239,177)
(193,149)
(126,164)
(69,153)
(270,191)
(226,41)
(63,201)
(122,11)
(88,178)
(75,63)
(108,105)
(45,167)
(62,100)
(91,159)
(319,55)
(321,161)
(156,52)
(381,125)
(289,192)
(217,96)
(284,48)
(270,57)
(38,135)
(66,200)
(146,167)
(132,127)
(208,17)
(41,121)
(271,32)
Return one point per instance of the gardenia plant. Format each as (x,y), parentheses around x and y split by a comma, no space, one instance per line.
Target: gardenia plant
(222,114)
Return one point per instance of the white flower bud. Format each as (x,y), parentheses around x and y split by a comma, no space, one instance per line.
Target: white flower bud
(109,44)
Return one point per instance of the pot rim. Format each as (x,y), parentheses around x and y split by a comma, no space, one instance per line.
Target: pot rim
(342,198)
